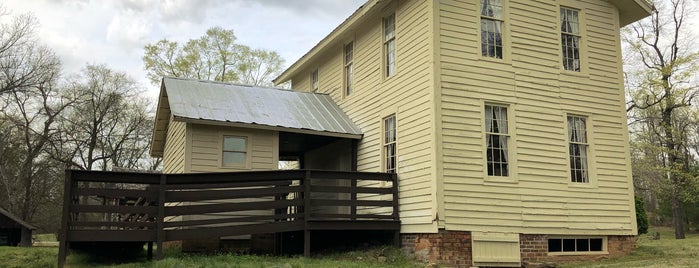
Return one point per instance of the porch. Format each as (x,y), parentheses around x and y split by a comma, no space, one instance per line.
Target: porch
(154,208)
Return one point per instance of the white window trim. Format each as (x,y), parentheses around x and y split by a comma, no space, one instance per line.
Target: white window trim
(506,36)
(582,18)
(248,153)
(385,44)
(511,148)
(605,246)
(315,75)
(348,79)
(384,156)
(591,153)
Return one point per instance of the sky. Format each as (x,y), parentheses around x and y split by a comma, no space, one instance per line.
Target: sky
(114,32)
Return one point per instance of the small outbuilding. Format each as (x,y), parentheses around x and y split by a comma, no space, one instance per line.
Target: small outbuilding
(14,231)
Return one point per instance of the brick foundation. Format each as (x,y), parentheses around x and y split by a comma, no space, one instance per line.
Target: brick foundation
(453,248)
(534,249)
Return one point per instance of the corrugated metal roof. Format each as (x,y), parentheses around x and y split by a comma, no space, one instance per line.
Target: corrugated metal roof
(206,100)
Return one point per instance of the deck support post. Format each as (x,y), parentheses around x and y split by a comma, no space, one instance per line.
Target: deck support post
(160,232)
(306,214)
(150,250)
(65,219)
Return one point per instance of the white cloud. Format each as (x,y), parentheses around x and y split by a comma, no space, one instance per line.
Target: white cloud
(114,32)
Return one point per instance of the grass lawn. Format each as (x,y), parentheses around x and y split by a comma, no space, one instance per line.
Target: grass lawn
(12,257)
(666,252)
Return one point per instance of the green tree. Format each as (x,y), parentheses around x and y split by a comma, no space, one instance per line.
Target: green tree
(641,217)
(662,101)
(214,56)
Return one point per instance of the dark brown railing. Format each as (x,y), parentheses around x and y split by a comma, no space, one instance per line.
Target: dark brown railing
(154,208)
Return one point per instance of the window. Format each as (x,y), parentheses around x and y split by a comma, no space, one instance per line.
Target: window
(497,135)
(491,28)
(570,39)
(314,80)
(349,51)
(389,44)
(572,245)
(577,138)
(389,143)
(234,151)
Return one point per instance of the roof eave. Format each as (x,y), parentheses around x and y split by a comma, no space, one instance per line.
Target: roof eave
(267,127)
(162,117)
(631,11)
(331,38)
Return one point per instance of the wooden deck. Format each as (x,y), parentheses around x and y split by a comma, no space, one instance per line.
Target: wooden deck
(154,208)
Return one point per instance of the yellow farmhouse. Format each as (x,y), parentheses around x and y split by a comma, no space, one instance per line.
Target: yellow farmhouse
(503,119)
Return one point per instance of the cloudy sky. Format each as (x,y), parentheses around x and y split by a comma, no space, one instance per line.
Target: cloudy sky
(114,32)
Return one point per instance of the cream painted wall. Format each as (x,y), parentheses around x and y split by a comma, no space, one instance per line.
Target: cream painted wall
(539,198)
(407,94)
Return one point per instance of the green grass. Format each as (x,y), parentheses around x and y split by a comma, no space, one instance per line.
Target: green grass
(666,252)
(374,257)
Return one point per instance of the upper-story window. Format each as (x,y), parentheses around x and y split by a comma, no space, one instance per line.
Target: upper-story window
(234,151)
(349,58)
(314,80)
(491,28)
(570,39)
(496,138)
(577,148)
(389,143)
(389,44)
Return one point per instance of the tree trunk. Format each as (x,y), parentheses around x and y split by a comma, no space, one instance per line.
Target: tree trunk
(677,215)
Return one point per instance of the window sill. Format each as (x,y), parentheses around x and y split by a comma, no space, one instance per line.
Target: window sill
(580,74)
(578,253)
(583,185)
(500,180)
(237,167)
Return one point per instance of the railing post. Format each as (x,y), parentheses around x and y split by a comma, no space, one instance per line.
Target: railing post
(65,219)
(306,214)
(394,181)
(353,198)
(160,221)
(396,208)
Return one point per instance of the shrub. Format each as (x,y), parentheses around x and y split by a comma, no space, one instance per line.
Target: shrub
(641,217)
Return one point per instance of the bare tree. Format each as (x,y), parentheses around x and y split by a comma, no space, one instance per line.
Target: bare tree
(663,92)
(23,63)
(110,124)
(28,177)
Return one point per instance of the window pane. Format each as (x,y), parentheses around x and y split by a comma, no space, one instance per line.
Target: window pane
(232,143)
(491,8)
(491,38)
(389,27)
(390,57)
(389,143)
(568,245)
(582,244)
(555,245)
(348,52)
(596,244)
(496,140)
(233,158)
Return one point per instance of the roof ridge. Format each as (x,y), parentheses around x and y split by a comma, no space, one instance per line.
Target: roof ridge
(242,85)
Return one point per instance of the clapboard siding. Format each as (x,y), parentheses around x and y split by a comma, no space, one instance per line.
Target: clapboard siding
(407,94)
(206,145)
(540,199)
(174,153)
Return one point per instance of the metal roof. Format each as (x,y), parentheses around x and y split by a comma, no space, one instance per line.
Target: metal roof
(208,102)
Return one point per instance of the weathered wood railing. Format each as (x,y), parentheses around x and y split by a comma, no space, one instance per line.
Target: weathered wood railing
(154,208)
